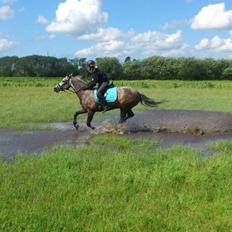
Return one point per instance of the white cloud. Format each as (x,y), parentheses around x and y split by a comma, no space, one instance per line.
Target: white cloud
(216,44)
(203,44)
(6,12)
(226,46)
(78,17)
(107,48)
(173,37)
(131,43)
(42,20)
(213,16)
(84,20)
(103,34)
(155,41)
(6,44)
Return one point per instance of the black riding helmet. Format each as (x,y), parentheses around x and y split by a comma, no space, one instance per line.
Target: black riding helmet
(90,66)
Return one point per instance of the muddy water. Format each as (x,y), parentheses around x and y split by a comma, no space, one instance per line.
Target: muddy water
(179,121)
(167,127)
(34,142)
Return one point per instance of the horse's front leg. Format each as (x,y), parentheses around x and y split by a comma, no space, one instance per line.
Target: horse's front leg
(75,117)
(89,119)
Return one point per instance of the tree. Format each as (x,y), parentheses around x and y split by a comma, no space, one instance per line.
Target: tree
(191,69)
(127,59)
(227,73)
(8,65)
(111,66)
(155,67)
(132,70)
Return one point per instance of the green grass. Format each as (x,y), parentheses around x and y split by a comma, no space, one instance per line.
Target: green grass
(116,184)
(22,105)
(50,82)
(28,81)
(32,100)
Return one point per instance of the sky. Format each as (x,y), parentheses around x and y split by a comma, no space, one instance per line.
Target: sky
(116,28)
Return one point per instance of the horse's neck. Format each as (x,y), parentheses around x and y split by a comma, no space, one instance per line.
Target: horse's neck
(78,84)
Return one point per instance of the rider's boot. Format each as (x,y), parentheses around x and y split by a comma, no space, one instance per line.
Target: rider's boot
(103,102)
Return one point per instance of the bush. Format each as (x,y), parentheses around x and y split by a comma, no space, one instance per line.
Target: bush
(227,74)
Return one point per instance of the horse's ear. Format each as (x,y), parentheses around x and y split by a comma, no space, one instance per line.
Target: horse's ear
(70,75)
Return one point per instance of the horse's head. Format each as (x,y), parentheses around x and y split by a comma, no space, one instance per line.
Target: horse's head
(64,84)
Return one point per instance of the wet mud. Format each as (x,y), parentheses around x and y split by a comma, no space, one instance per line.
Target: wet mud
(168,127)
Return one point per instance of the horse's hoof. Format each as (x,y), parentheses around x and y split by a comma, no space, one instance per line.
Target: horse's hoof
(92,127)
(75,125)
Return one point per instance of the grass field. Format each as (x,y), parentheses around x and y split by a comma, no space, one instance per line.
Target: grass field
(24,100)
(116,184)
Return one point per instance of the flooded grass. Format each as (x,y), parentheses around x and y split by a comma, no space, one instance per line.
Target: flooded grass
(117,184)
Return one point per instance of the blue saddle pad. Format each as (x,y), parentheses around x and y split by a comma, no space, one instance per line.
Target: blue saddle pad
(110,95)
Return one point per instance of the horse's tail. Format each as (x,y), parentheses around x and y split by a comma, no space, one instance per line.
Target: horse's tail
(148,101)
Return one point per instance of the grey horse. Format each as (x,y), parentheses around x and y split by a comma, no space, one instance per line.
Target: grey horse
(127,98)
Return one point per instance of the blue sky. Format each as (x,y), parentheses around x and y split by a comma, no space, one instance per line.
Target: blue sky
(98,28)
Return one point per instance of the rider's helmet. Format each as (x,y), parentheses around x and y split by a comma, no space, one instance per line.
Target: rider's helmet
(90,66)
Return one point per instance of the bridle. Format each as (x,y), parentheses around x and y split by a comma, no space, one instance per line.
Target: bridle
(73,89)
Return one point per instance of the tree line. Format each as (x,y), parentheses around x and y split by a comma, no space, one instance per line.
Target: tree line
(155,67)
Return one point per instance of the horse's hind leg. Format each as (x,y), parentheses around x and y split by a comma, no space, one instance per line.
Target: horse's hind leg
(75,117)
(89,119)
(130,114)
(123,116)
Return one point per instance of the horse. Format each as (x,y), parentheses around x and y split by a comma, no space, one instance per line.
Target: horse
(126,99)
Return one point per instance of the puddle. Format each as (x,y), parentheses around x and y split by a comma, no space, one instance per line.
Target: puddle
(192,128)
(28,142)
(199,143)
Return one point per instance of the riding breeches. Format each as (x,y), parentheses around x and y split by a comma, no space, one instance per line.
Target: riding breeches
(101,90)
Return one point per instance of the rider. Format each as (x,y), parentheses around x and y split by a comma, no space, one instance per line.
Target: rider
(100,78)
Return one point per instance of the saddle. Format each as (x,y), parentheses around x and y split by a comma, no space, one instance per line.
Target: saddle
(110,95)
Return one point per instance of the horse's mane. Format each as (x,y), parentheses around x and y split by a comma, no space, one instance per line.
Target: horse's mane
(79,81)
(79,78)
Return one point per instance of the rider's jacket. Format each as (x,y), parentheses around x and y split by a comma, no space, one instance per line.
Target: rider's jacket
(98,77)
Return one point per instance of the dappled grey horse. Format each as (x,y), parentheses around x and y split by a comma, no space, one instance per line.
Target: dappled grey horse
(126,99)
